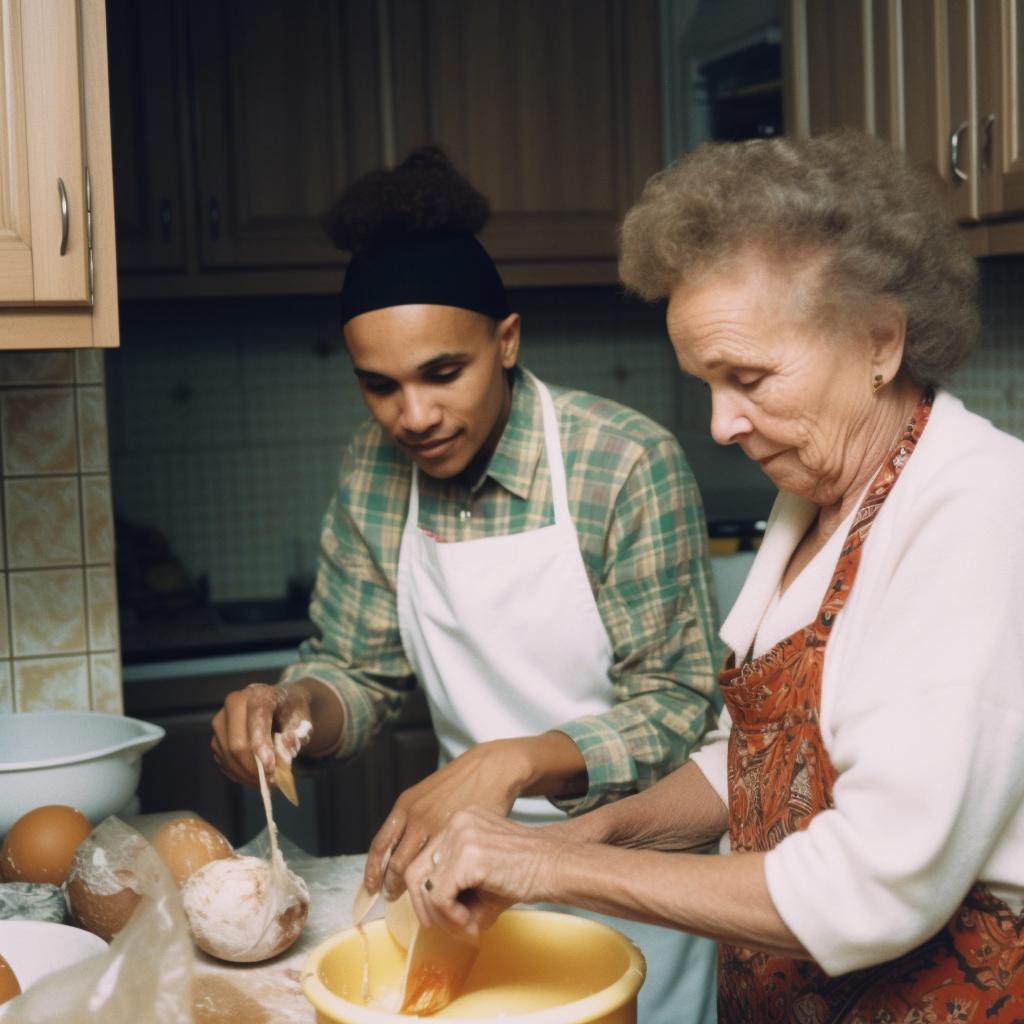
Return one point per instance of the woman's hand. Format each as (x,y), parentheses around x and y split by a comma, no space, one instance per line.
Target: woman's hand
(490,776)
(479,866)
(306,714)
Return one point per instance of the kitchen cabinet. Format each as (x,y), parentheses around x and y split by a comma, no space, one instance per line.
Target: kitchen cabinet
(241,120)
(938,78)
(352,799)
(56,208)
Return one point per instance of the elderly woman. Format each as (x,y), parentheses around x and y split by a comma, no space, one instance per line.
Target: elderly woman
(870,767)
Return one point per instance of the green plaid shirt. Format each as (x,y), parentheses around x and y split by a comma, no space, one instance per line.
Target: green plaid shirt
(641,530)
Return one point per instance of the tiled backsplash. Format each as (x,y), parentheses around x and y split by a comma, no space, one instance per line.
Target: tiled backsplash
(229,418)
(58,621)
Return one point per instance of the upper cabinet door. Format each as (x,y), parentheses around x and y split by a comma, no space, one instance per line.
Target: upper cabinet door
(147,96)
(549,107)
(905,70)
(286,112)
(44,244)
(1005,59)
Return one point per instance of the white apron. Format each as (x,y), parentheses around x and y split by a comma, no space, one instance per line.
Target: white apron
(505,637)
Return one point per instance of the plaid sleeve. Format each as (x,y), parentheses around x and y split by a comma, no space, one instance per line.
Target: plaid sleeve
(354,605)
(656,601)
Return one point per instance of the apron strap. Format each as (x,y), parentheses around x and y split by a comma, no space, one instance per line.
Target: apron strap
(553,448)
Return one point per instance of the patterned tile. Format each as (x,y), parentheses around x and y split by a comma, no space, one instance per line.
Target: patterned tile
(97,519)
(43,523)
(48,611)
(51,684)
(105,673)
(101,602)
(36,368)
(38,430)
(6,688)
(89,365)
(92,430)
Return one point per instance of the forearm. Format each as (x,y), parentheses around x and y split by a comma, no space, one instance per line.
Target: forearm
(551,765)
(327,713)
(681,812)
(721,898)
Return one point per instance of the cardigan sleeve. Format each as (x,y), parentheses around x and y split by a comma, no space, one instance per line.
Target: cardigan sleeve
(926,722)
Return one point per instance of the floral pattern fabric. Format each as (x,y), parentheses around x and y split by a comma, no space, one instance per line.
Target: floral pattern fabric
(780,777)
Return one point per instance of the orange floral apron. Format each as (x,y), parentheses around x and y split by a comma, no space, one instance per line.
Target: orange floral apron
(780,777)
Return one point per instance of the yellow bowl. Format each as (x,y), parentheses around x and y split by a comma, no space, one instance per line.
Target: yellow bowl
(534,967)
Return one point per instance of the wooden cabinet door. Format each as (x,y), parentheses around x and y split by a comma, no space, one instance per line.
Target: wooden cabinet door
(286,113)
(146,103)
(44,250)
(1006,54)
(550,108)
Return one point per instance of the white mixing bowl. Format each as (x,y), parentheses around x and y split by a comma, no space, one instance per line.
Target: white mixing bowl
(83,759)
(37,948)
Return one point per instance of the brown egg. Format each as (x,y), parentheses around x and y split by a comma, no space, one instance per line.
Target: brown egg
(102,913)
(9,987)
(187,844)
(40,845)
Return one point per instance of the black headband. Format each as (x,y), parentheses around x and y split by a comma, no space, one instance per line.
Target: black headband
(433,268)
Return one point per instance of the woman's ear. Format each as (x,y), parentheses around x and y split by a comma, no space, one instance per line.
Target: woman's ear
(888,338)
(508,338)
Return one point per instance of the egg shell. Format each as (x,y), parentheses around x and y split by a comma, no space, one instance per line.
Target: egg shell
(103,914)
(9,987)
(186,844)
(42,843)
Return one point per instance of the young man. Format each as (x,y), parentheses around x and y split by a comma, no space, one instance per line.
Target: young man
(535,558)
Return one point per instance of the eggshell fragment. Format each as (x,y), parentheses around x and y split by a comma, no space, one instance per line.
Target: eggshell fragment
(186,844)
(238,913)
(9,987)
(41,844)
(103,914)
(100,891)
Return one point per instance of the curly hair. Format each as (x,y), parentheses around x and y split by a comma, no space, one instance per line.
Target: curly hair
(423,193)
(848,196)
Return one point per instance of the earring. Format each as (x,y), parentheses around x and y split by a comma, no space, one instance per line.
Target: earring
(878,382)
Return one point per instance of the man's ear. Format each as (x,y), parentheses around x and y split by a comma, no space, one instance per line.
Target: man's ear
(507,334)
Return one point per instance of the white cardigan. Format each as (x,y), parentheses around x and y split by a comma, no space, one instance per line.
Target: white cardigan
(922,699)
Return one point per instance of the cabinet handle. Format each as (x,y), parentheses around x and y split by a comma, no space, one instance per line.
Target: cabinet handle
(165,219)
(63,193)
(954,151)
(986,141)
(214,220)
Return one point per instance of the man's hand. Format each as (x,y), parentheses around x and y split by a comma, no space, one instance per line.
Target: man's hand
(306,714)
(490,776)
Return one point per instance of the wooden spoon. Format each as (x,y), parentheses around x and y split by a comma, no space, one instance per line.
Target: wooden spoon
(283,778)
(437,963)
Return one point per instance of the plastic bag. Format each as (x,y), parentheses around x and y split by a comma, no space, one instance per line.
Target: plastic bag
(145,976)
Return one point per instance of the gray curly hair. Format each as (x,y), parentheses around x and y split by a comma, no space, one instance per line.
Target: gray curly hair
(882,228)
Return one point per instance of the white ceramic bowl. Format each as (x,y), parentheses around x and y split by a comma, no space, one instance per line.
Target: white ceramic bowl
(84,759)
(36,948)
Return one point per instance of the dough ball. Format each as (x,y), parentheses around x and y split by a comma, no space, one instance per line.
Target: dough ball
(186,844)
(9,987)
(40,845)
(238,909)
